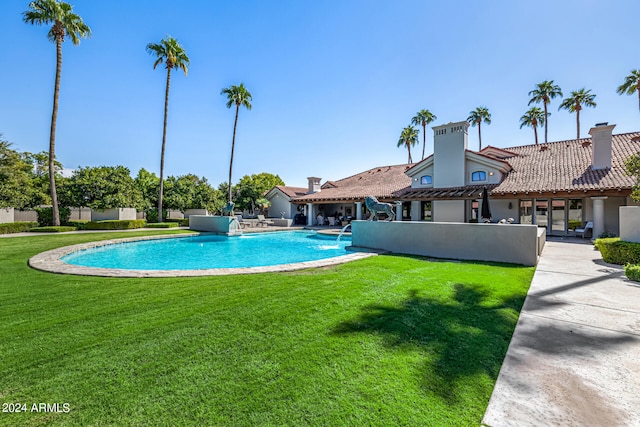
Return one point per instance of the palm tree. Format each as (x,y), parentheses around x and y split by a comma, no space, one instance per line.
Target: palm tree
(408,138)
(173,56)
(534,117)
(65,23)
(476,117)
(423,118)
(238,96)
(574,104)
(631,84)
(545,92)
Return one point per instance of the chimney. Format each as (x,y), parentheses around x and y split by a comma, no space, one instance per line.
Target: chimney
(314,185)
(601,136)
(449,147)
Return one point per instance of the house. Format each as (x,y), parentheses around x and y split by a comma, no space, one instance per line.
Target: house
(280,197)
(558,185)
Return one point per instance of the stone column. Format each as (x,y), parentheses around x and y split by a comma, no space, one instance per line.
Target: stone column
(399,211)
(358,211)
(598,215)
(309,213)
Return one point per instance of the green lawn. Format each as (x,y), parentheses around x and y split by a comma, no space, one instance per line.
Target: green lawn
(388,340)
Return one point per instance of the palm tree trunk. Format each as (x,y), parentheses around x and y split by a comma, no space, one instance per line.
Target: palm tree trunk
(638,90)
(233,144)
(546,122)
(52,135)
(424,138)
(479,138)
(164,143)
(535,133)
(578,121)
(409,160)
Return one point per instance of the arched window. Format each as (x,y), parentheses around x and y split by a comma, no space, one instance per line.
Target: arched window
(426,180)
(479,176)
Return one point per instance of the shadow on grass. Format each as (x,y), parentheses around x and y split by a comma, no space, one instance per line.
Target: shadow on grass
(461,337)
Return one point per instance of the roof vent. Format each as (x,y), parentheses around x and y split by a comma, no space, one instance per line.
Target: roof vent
(602,124)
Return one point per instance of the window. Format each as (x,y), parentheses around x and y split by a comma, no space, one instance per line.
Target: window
(479,176)
(427,211)
(426,180)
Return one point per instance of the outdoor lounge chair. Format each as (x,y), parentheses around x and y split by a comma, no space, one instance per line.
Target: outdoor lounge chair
(242,222)
(332,221)
(583,231)
(263,221)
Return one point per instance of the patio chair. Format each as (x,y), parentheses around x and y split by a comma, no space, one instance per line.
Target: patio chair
(263,221)
(332,221)
(587,228)
(320,219)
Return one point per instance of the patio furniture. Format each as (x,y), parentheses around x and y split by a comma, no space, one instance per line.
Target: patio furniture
(583,231)
(241,221)
(332,221)
(263,221)
(320,219)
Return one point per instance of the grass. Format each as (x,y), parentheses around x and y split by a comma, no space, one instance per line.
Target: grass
(388,340)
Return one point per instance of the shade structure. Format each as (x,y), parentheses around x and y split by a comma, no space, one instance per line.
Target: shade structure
(485,213)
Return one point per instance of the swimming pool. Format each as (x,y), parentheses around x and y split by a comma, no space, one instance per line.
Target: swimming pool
(211,252)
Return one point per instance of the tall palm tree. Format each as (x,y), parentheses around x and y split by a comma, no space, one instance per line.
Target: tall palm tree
(574,103)
(238,96)
(65,23)
(408,138)
(534,117)
(423,118)
(173,55)
(631,84)
(545,92)
(476,117)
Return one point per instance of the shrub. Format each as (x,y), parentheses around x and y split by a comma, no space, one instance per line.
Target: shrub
(16,227)
(53,229)
(80,224)
(152,215)
(126,224)
(632,272)
(606,234)
(574,223)
(45,215)
(162,225)
(184,222)
(615,251)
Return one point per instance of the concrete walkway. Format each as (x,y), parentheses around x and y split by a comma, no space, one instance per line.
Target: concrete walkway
(574,359)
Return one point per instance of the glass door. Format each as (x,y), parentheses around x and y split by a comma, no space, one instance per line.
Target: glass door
(542,209)
(558,222)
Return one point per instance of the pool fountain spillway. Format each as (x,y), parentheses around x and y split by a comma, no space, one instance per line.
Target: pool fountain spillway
(228,225)
(342,232)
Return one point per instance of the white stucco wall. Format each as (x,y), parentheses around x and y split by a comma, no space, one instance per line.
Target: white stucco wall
(630,223)
(472,166)
(189,212)
(280,204)
(449,145)
(111,214)
(448,210)
(611,214)
(500,209)
(6,215)
(512,243)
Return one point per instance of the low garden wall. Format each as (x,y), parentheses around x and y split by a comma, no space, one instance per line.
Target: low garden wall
(630,223)
(6,215)
(511,243)
(113,214)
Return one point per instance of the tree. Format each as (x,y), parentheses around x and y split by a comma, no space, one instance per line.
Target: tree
(251,188)
(15,177)
(408,138)
(238,96)
(632,165)
(423,118)
(534,117)
(173,56)
(40,186)
(65,23)
(631,84)
(149,184)
(574,104)
(476,117)
(103,187)
(545,92)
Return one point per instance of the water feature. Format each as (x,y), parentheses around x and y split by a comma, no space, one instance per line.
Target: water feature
(342,232)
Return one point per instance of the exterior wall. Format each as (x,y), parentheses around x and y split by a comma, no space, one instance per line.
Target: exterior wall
(415,211)
(612,214)
(6,215)
(109,214)
(449,145)
(217,224)
(281,204)
(631,202)
(174,214)
(513,243)
(500,209)
(415,179)
(472,166)
(630,223)
(448,211)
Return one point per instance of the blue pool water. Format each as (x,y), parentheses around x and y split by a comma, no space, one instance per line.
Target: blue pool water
(213,251)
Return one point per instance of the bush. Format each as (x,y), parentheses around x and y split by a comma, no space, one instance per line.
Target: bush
(162,225)
(632,272)
(615,251)
(126,224)
(574,223)
(53,229)
(152,215)
(184,222)
(45,215)
(16,227)
(80,224)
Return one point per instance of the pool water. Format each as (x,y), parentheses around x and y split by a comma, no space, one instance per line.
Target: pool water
(213,251)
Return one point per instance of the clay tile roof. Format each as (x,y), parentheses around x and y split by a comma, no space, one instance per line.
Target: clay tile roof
(566,165)
(381,182)
(292,191)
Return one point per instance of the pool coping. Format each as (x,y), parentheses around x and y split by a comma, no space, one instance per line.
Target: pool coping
(50,261)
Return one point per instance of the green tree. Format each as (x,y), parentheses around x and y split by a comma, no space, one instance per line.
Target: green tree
(238,96)
(173,55)
(40,188)
(251,188)
(545,92)
(103,187)
(408,138)
(534,117)
(191,192)
(65,23)
(15,177)
(631,85)
(575,102)
(149,184)
(423,118)
(476,117)
(632,164)
(263,204)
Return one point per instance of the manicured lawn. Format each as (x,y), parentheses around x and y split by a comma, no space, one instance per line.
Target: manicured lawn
(388,340)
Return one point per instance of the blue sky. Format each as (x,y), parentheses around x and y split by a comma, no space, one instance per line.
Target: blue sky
(333,82)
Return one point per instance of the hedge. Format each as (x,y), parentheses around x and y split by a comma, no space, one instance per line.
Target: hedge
(632,272)
(80,224)
(162,225)
(45,215)
(126,224)
(615,251)
(53,229)
(16,227)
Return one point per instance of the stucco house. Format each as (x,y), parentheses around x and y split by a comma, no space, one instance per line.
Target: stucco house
(555,185)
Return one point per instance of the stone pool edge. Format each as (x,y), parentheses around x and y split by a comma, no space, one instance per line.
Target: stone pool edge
(50,261)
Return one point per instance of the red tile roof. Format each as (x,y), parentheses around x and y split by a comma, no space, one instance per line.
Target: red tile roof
(292,191)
